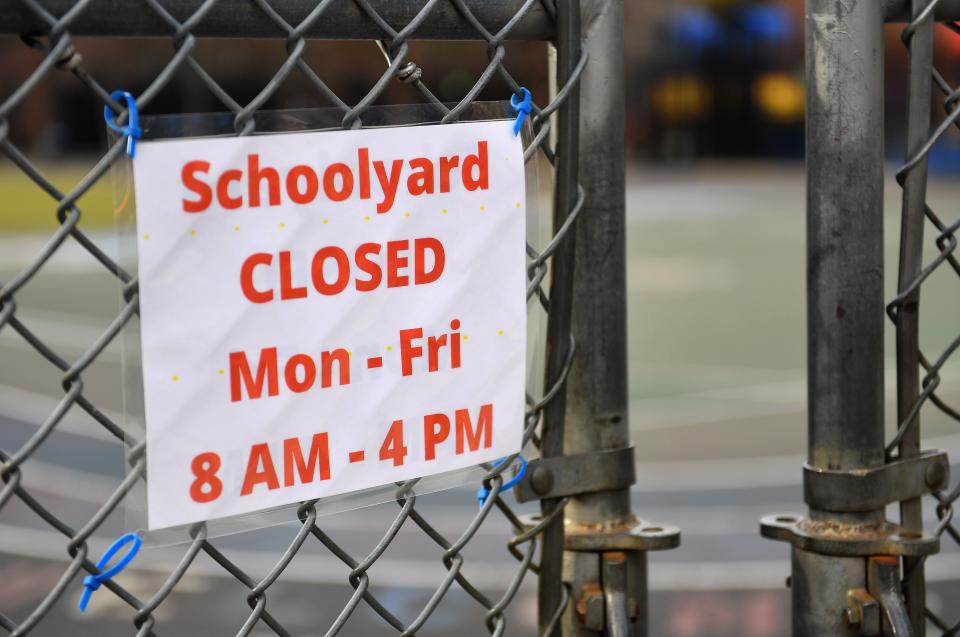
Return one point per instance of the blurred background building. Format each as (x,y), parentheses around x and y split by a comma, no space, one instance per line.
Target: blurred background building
(709,78)
(712,78)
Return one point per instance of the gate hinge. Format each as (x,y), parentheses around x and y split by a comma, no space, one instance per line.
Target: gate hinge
(562,476)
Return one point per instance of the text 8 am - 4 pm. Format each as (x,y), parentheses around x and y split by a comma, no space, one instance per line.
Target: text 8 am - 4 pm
(458,433)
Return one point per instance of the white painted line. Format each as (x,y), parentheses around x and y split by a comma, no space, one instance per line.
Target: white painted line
(782,397)
(68,335)
(34,408)
(18,250)
(743,473)
(426,574)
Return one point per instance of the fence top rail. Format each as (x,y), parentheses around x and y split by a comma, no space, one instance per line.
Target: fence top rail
(341,20)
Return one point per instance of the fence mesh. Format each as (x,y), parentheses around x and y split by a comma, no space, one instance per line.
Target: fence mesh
(903,309)
(56,51)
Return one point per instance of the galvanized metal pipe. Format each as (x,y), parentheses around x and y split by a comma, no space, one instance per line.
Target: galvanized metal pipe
(818,587)
(844,70)
(616,599)
(549,591)
(597,384)
(597,417)
(845,306)
(343,19)
(911,263)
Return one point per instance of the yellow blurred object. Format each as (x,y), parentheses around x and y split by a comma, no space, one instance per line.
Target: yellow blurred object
(779,96)
(682,99)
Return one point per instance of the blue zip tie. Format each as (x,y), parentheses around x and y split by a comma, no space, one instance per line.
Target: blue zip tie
(132,128)
(522,107)
(484,492)
(92,582)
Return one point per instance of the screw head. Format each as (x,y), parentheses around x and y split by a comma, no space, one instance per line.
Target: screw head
(935,474)
(541,480)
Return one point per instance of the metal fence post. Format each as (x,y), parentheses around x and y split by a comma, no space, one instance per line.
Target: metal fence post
(842,567)
(561,304)
(844,66)
(605,560)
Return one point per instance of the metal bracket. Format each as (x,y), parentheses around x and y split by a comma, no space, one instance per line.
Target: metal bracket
(872,489)
(864,539)
(561,476)
(632,534)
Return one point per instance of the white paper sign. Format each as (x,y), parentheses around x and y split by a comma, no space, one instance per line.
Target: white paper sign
(327,312)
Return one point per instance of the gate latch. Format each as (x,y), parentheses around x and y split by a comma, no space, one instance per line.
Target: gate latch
(879,609)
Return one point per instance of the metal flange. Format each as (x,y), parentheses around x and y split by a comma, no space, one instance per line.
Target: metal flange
(632,534)
(847,539)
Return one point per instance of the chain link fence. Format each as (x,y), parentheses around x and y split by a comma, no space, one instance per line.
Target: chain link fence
(918,372)
(52,30)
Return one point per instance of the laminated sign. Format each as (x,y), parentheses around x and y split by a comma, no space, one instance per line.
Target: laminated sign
(326,312)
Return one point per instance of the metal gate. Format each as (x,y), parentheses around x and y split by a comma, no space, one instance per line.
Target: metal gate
(855,572)
(591,570)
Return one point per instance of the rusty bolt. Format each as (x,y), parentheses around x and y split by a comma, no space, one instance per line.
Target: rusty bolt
(541,480)
(935,475)
(851,617)
(589,606)
(862,612)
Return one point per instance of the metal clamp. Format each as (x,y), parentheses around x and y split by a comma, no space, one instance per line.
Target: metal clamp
(563,476)
(872,489)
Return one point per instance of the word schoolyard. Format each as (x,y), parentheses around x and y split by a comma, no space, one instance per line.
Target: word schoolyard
(301,184)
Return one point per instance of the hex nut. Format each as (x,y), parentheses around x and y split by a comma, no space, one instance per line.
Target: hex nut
(590,608)
(851,617)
